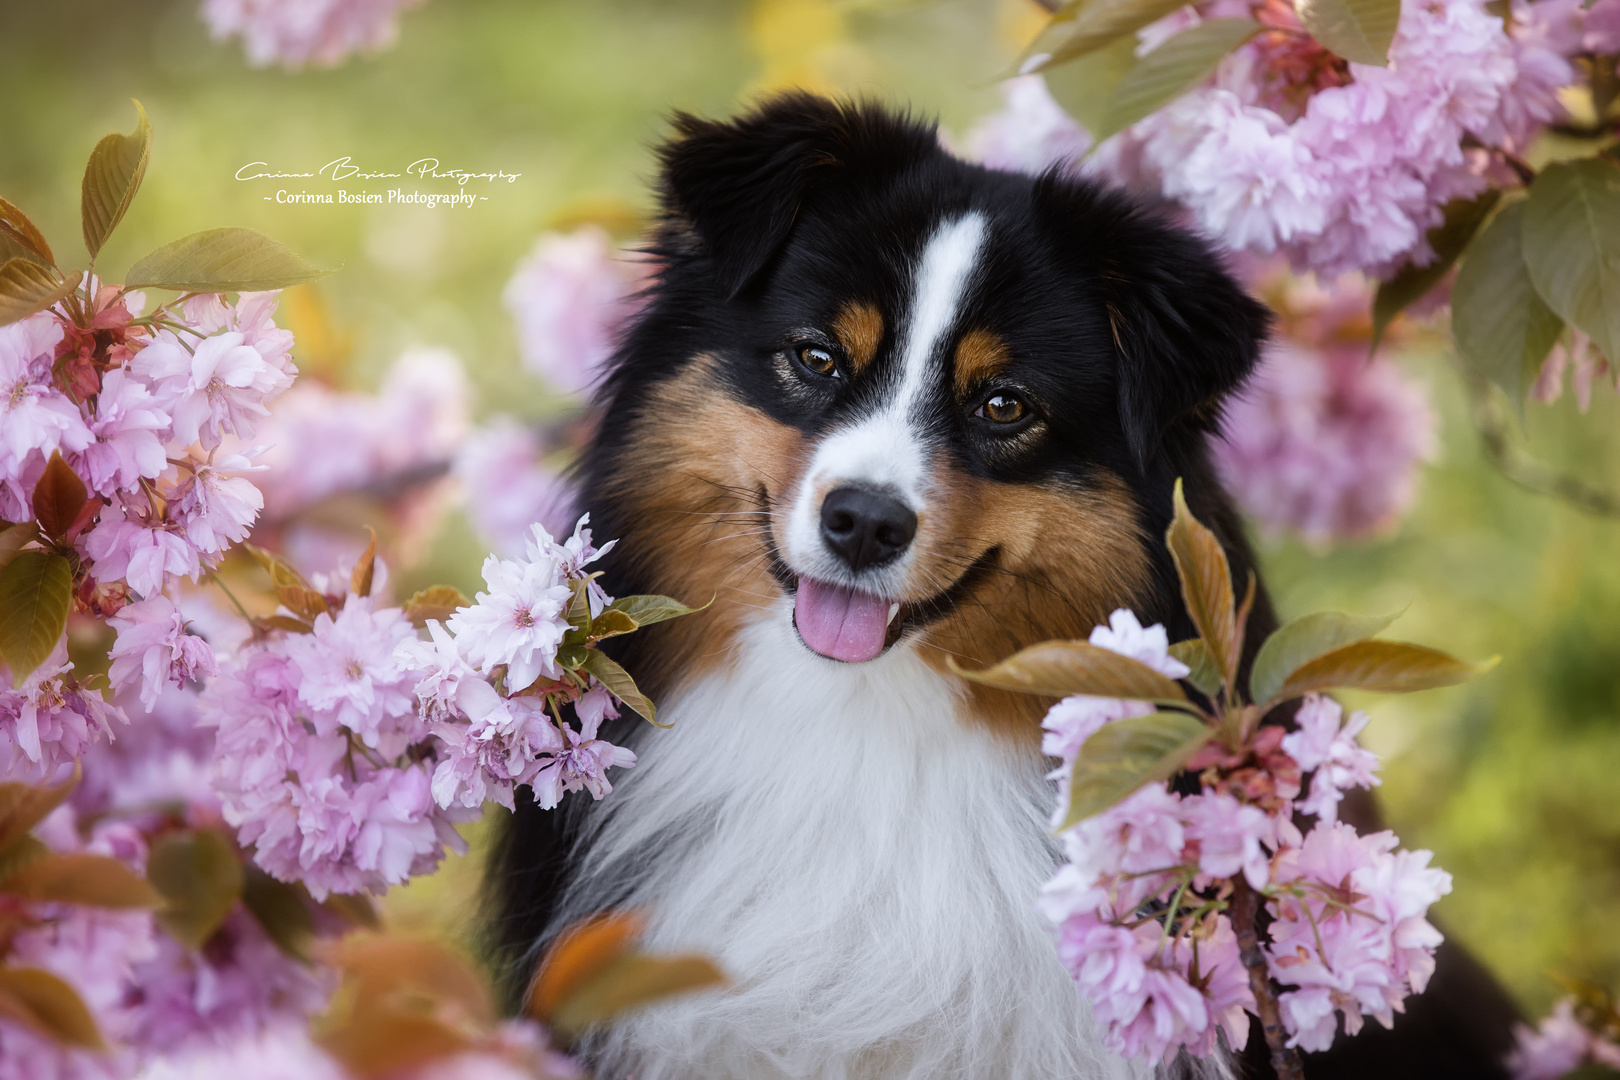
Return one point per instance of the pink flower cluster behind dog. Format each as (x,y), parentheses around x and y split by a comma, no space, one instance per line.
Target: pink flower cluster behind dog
(1141,902)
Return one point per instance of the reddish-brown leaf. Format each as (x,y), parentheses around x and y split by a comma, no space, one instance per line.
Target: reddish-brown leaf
(94,880)
(22,806)
(630,981)
(583,950)
(50,1006)
(1391,667)
(1061,668)
(1206,586)
(58,497)
(364,567)
(435,602)
(16,225)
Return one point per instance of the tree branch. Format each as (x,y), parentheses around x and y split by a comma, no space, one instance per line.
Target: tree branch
(1285,1060)
(1526,471)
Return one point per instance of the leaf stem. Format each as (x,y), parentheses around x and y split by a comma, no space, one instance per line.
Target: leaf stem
(1285,1060)
(1526,471)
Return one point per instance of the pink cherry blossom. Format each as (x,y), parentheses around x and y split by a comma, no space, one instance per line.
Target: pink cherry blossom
(300,33)
(569,297)
(1323,745)
(347,675)
(518,622)
(216,385)
(128,426)
(214,506)
(154,647)
(50,719)
(146,555)
(282,1051)
(585,760)
(1229,835)
(508,486)
(1559,1045)
(36,419)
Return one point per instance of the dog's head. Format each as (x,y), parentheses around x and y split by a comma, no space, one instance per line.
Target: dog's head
(935,405)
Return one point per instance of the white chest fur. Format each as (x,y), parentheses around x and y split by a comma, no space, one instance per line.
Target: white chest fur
(859,860)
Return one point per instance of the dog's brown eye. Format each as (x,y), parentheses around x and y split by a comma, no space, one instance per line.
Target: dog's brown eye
(1003,409)
(818,360)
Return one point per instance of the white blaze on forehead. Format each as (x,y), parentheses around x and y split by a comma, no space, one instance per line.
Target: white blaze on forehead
(888,447)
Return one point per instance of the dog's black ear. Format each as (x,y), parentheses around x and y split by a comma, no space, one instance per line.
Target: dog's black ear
(739,184)
(1185,332)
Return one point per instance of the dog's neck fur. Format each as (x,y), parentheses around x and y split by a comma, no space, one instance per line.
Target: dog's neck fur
(862,860)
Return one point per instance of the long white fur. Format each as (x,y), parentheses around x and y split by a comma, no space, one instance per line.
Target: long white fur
(864,865)
(889,447)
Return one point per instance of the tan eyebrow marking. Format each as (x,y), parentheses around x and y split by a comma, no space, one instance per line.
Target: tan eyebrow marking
(859,328)
(979,355)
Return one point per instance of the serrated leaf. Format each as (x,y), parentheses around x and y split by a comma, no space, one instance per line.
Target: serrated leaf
(13,538)
(1304,639)
(22,806)
(1080,29)
(1571,236)
(1390,667)
(36,998)
(364,567)
(222,260)
(1127,754)
(24,233)
(1170,70)
(647,609)
(199,877)
(281,910)
(92,880)
(1358,30)
(1085,86)
(1204,673)
(1463,217)
(435,602)
(1206,586)
(632,981)
(611,623)
(36,588)
(1503,328)
(111,179)
(618,682)
(58,497)
(27,287)
(1061,668)
(579,953)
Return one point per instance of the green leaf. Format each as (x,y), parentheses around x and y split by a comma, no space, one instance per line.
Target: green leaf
(578,613)
(20,853)
(1390,667)
(630,981)
(1127,754)
(648,609)
(1084,87)
(281,910)
(618,682)
(1358,30)
(58,497)
(435,602)
(1448,239)
(13,538)
(78,878)
(1206,586)
(1170,70)
(1086,26)
(111,178)
(1061,668)
(1205,673)
(1502,327)
(40,1000)
(1572,246)
(611,623)
(36,588)
(27,287)
(16,227)
(570,655)
(1303,640)
(200,877)
(222,260)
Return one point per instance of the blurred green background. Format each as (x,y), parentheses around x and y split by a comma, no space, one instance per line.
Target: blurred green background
(1512,781)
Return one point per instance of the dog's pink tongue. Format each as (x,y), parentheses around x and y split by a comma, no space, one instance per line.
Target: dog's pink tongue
(840,622)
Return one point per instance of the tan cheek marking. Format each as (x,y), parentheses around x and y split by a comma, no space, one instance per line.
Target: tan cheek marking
(859,329)
(1067,559)
(979,355)
(694,465)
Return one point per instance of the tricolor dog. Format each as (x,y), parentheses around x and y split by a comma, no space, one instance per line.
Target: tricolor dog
(891,410)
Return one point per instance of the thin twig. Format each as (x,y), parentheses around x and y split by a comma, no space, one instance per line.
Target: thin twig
(1526,471)
(1285,1060)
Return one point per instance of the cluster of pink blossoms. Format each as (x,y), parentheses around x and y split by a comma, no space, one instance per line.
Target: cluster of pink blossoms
(1325,441)
(1142,903)
(139,411)
(1561,1044)
(569,297)
(297,33)
(345,755)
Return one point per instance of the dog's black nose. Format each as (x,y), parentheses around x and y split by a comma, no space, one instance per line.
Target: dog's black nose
(866,528)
